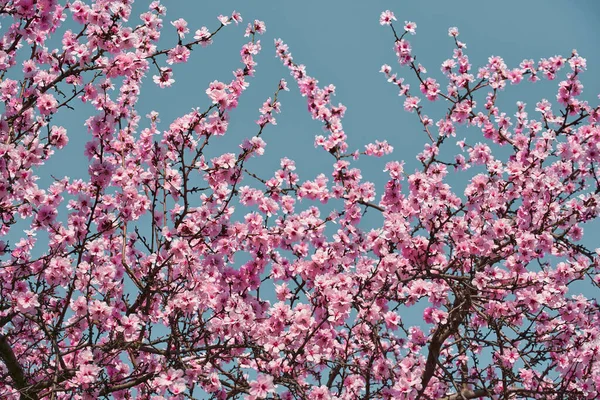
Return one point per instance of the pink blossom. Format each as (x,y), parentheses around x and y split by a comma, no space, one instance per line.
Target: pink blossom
(181,27)
(387,17)
(237,17)
(411,103)
(58,136)
(164,79)
(224,20)
(320,393)
(256,27)
(410,27)
(179,54)
(262,386)
(26,301)
(87,374)
(171,380)
(203,36)
(46,104)
(403,51)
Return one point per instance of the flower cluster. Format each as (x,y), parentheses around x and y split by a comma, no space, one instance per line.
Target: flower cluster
(175,271)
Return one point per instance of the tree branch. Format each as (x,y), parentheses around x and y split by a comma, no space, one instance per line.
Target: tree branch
(14,370)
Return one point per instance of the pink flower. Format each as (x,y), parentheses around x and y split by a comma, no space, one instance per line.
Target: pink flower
(403,51)
(26,301)
(395,169)
(87,374)
(46,104)
(171,380)
(320,393)
(509,357)
(256,27)
(237,17)
(262,386)
(58,136)
(576,233)
(164,79)
(410,27)
(203,36)
(515,76)
(302,319)
(430,88)
(224,20)
(46,215)
(130,326)
(392,320)
(283,85)
(29,68)
(411,103)
(378,149)
(79,306)
(577,62)
(387,17)
(101,173)
(99,311)
(217,92)
(179,54)
(181,27)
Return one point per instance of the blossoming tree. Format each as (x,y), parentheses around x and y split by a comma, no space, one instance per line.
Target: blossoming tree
(138,294)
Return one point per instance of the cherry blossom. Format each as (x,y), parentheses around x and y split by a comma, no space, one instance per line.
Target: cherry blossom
(174,269)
